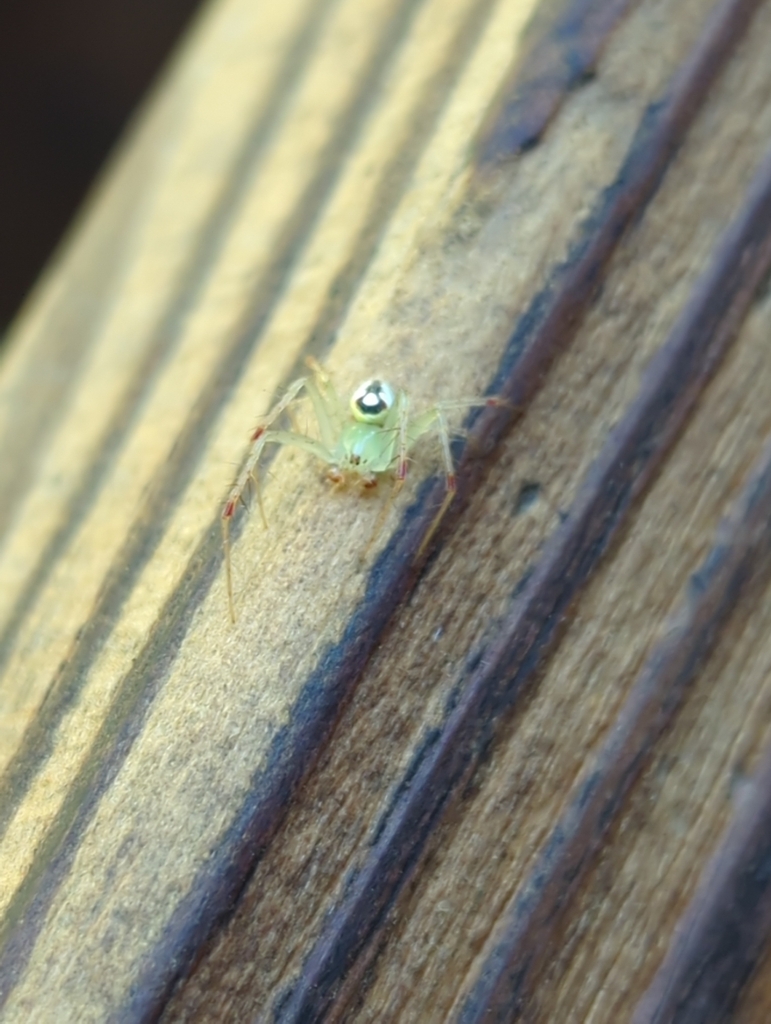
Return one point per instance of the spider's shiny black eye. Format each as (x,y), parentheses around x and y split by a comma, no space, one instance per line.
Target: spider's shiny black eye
(372,401)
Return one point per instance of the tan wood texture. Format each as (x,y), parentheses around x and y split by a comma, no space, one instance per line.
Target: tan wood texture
(378,796)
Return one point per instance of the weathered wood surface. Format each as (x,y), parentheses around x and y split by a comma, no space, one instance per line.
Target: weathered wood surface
(527,778)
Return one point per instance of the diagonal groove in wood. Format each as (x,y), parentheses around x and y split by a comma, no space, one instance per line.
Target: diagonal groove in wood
(338,673)
(670,388)
(166,336)
(135,694)
(158,506)
(542,79)
(394,180)
(722,932)
(740,557)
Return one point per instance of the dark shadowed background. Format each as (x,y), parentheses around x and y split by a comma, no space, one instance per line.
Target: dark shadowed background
(71,73)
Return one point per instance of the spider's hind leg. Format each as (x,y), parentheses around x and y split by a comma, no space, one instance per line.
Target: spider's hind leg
(436,419)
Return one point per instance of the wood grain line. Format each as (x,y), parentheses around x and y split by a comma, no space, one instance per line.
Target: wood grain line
(544,331)
(159,504)
(739,560)
(556,63)
(661,131)
(394,181)
(670,388)
(135,694)
(548,327)
(161,346)
(721,935)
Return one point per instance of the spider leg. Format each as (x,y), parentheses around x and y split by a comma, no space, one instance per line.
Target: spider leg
(403,424)
(428,418)
(436,419)
(248,474)
(259,436)
(285,401)
(330,411)
(443,430)
(320,375)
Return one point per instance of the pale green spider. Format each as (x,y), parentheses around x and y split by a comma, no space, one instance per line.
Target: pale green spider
(361,441)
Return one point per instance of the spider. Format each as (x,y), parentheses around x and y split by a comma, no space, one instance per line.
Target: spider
(370,437)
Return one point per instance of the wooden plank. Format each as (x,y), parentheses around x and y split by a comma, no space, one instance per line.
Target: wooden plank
(754,1003)
(334,806)
(716,943)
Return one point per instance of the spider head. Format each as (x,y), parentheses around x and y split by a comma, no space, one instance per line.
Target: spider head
(372,401)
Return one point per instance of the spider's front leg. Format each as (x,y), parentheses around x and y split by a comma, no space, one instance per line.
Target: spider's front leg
(329,410)
(258,438)
(261,436)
